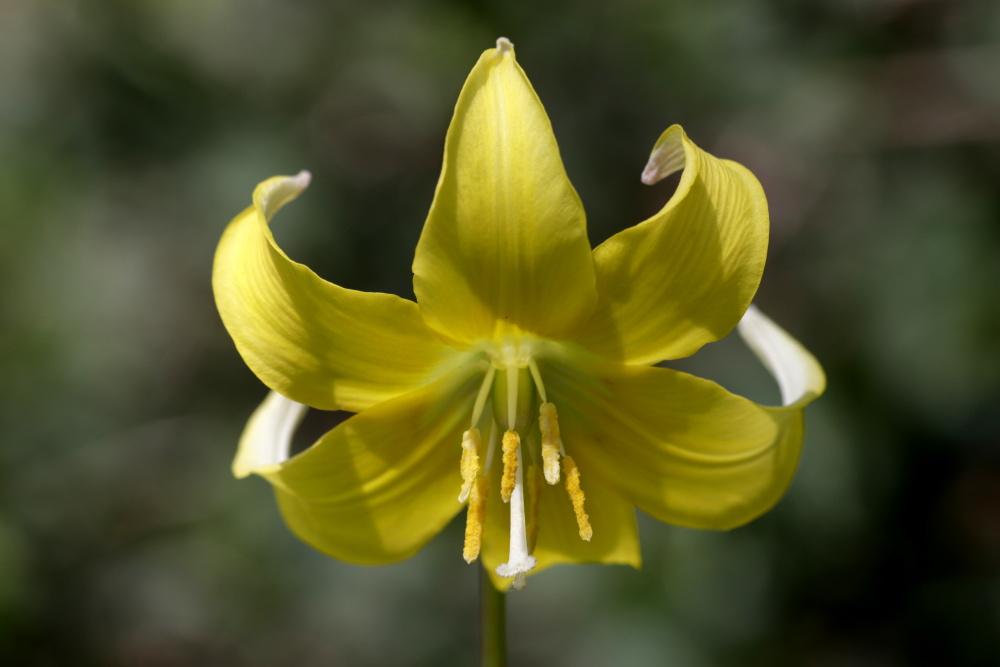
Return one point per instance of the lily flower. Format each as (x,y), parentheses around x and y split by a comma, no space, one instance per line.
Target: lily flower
(522,384)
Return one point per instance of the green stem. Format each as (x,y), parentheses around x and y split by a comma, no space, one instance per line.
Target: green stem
(493,623)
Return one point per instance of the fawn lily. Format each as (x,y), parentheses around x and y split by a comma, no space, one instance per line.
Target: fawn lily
(521,383)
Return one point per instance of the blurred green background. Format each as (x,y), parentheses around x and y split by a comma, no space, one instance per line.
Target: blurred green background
(132,131)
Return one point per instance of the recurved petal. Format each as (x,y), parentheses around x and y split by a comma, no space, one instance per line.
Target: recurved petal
(685,276)
(684,449)
(315,342)
(505,240)
(267,437)
(377,487)
(615,538)
(799,376)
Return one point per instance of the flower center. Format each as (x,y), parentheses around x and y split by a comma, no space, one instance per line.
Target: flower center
(512,387)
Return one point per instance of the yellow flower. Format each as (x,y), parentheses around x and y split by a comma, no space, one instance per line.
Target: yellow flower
(521,383)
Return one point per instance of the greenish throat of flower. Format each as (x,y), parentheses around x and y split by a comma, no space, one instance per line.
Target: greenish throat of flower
(513,387)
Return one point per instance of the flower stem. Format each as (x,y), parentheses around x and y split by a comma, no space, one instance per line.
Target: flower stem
(493,623)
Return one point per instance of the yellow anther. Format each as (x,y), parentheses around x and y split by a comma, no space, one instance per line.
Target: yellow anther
(475,518)
(511,441)
(576,497)
(534,502)
(548,423)
(470,461)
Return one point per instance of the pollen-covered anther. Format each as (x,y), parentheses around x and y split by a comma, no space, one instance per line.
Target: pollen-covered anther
(511,441)
(548,423)
(576,497)
(470,462)
(475,517)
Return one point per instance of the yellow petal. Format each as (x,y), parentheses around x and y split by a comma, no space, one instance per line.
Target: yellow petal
(616,535)
(505,241)
(615,540)
(684,449)
(685,276)
(313,341)
(376,488)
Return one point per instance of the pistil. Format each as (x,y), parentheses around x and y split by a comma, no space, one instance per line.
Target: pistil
(519,561)
(511,472)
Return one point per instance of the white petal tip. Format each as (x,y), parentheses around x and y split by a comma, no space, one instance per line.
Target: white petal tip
(651,174)
(303,179)
(668,157)
(504,46)
(797,372)
(267,439)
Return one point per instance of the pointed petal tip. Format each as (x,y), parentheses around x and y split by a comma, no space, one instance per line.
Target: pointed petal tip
(668,156)
(504,46)
(302,179)
(651,173)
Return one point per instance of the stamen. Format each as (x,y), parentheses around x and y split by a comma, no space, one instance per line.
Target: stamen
(548,422)
(511,443)
(537,377)
(484,393)
(534,502)
(470,461)
(475,517)
(519,562)
(491,448)
(576,497)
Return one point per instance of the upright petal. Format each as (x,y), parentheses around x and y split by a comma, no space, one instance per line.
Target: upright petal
(684,449)
(505,241)
(315,342)
(685,276)
(377,487)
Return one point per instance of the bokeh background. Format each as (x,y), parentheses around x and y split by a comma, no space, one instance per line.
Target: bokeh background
(132,131)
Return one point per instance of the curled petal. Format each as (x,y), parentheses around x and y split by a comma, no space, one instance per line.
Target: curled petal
(315,342)
(505,241)
(684,449)
(267,438)
(685,276)
(799,376)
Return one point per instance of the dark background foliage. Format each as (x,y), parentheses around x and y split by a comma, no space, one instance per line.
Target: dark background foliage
(132,131)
